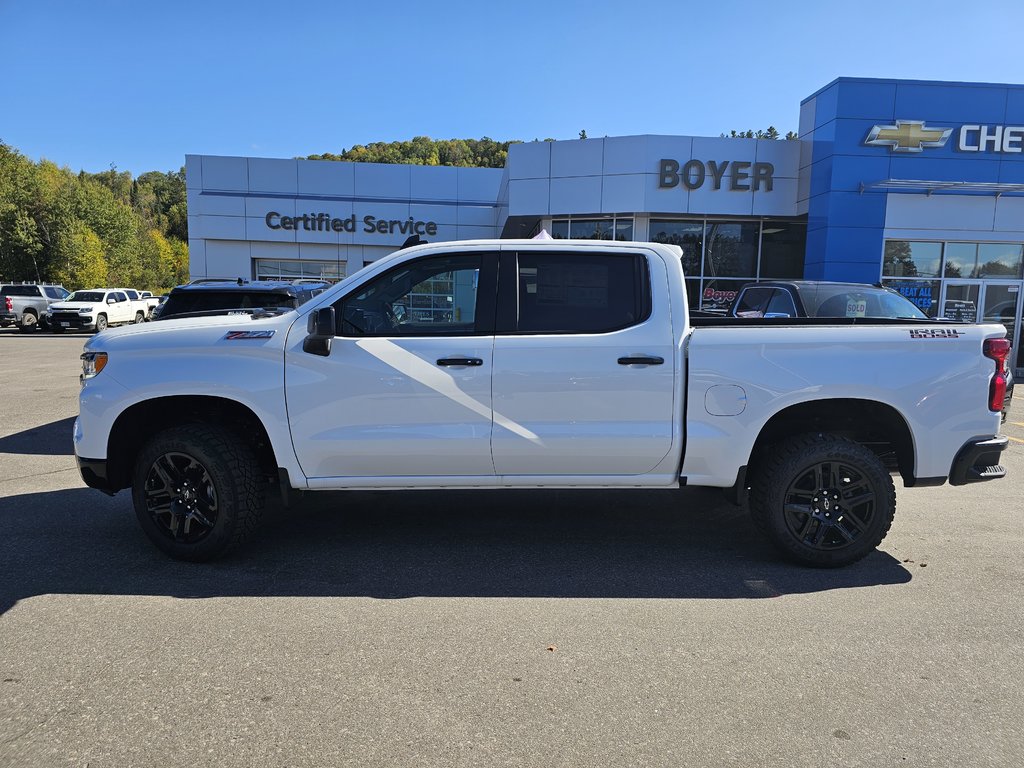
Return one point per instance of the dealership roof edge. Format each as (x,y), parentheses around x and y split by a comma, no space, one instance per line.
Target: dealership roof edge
(899,81)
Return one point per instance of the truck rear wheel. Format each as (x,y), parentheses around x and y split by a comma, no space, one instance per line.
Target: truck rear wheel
(197,492)
(823,500)
(139,318)
(28,323)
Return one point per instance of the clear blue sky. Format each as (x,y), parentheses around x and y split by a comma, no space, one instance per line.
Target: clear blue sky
(140,84)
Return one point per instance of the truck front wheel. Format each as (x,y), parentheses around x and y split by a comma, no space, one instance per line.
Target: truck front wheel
(823,500)
(197,492)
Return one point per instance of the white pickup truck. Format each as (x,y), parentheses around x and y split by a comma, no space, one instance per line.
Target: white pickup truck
(94,309)
(530,364)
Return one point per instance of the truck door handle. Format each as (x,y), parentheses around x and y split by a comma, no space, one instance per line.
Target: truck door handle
(641,360)
(473,361)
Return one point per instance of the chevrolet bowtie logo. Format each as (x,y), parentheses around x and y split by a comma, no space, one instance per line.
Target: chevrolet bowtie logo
(907,136)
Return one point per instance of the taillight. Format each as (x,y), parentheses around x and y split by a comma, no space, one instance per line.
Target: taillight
(8,304)
(998,350)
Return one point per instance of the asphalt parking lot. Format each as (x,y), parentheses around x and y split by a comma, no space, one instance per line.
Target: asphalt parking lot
(517,628)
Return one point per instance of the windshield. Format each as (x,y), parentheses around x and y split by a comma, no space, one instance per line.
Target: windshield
(85,296)
(858,301)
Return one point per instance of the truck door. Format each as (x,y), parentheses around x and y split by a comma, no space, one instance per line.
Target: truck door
(584,364)
(406,389)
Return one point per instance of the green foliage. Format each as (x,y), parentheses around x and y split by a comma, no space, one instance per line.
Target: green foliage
(90,230)
(422,150)
(771,133)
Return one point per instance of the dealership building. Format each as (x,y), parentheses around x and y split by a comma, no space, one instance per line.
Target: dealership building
(916,184)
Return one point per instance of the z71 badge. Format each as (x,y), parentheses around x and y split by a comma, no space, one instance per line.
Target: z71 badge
(237,335)
(935,333)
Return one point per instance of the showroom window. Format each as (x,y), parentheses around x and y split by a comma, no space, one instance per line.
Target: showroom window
(593,228)
(720,256)
(273,269)
(906,258)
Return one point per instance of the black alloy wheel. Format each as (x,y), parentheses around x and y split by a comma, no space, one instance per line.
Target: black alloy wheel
(198,491)
(180,498)
(823,500)
(829,505)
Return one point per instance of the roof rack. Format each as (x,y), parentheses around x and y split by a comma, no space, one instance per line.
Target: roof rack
(203,280)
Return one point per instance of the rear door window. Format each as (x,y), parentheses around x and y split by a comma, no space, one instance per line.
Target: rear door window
(562,293)
(20,290)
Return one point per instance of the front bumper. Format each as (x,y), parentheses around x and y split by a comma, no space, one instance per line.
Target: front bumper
(72,322)
(978,461)
(94,474)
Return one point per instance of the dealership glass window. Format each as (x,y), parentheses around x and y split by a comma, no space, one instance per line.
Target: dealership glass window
(718,294)
(961,260)
(593,228)
(730,249)
(906,258)
(1000,260)
(688,235)
(273,269)
(923,294)
(782,249)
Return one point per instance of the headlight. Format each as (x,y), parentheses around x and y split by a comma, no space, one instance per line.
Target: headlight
(93,363)
(85,310)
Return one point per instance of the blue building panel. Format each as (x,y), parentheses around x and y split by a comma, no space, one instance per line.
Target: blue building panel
(1015,105)
(857,209)
(932,168)
(959,102)
(826,103)
(850,172)
(866,100)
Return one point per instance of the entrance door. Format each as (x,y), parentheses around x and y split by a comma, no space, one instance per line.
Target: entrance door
(975,301)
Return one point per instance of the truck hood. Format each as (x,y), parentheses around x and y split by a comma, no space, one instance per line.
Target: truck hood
(186,331)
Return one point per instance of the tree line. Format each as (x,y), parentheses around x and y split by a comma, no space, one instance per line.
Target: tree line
(423,150)
(86,230)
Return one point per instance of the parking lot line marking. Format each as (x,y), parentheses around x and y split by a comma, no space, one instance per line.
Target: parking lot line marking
(1018,423)
(1015,439)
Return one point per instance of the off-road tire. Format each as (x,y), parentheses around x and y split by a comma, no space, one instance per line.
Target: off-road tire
(237,487)
(820,521)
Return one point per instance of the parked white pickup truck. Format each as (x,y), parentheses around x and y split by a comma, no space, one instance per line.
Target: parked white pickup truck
(94,309)
(512,364)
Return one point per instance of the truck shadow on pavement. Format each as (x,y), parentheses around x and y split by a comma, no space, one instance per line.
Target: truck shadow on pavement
(520,543)
(53,439)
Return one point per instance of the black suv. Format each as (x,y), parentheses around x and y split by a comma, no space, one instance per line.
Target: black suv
(222,297)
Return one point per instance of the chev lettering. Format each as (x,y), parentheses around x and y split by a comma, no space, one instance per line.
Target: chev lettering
(936,333)
(991,138)
(694,173)
(323,222)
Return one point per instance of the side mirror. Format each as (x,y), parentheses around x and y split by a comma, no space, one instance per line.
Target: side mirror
(320,330)
(111,300)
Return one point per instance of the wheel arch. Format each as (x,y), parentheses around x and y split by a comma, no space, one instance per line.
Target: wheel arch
(877,426)
(137,423)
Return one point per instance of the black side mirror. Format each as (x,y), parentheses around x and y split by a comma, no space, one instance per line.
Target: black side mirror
(320,330)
